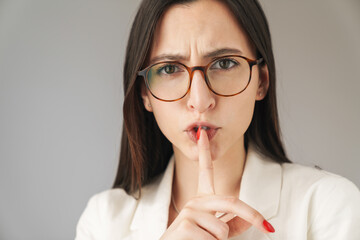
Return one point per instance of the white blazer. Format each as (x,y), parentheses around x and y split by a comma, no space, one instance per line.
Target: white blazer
(300,202)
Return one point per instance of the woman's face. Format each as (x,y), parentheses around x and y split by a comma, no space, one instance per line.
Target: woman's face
(188,33)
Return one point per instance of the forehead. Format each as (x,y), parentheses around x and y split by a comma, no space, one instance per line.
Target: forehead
(195,29)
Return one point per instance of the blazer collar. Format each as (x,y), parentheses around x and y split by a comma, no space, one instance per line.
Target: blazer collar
(261,183)
(260,188)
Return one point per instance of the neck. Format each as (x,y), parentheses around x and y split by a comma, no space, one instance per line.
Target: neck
(228,170)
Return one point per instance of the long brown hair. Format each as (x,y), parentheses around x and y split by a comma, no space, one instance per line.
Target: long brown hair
(145,152)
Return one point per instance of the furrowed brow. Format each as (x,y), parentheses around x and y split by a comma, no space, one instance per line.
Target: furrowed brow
(222,51)
(167,57)
(179,57)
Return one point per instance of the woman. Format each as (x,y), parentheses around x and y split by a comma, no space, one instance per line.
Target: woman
(201,154)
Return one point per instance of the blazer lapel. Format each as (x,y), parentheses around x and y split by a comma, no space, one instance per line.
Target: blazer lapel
(261,183)
(151,216)
(261,188)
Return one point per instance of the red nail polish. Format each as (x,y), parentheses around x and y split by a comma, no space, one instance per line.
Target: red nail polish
(268,226)
(198,133)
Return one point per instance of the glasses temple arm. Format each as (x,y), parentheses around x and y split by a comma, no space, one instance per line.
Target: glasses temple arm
(260,60)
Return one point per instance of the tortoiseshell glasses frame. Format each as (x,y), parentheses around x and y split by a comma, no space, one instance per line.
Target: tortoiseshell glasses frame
(251,62)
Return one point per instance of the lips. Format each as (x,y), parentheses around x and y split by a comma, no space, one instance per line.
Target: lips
(209,128)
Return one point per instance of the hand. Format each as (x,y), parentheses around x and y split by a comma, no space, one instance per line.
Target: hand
(197,219)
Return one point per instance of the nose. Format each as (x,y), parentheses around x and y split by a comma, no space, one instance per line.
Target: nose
(200,99)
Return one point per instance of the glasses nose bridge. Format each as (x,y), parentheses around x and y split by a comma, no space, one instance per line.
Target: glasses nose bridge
(192,70)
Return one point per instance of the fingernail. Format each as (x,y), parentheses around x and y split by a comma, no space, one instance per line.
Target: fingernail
(268,226)
(198,133)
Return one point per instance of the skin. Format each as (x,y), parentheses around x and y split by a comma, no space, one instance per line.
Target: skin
(187,31)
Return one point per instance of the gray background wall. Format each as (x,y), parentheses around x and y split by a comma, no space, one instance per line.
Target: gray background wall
(61,93)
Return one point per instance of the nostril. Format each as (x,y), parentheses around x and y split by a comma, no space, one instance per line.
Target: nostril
(200,97)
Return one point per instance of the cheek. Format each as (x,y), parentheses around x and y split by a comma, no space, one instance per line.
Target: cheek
(244,114)
(238,113)
(166,117)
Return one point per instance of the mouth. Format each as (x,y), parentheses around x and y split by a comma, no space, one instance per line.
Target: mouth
(210,129)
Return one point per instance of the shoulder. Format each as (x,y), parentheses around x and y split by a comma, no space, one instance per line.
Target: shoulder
(110,203)
(319,199)
(304,178)
(105,211)
(108,210)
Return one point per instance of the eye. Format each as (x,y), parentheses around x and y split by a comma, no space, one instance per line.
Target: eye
(225,63)
(168,69)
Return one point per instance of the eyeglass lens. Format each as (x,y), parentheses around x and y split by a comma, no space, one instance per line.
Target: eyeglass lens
(226,76)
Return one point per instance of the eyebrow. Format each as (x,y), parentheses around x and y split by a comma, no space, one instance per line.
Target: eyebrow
(179,57)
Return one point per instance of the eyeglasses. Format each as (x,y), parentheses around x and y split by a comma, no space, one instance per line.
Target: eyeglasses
(225,76)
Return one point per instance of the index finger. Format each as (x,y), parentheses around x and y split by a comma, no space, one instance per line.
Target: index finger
(206,173)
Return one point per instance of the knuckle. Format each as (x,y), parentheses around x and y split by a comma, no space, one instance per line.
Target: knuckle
(185,225)
(186,212)
(193,201)
(255,216)
(232,200)
(189,204)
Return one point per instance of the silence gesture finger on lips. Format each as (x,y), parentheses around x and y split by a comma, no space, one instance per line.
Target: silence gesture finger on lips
(239,224)
(206,175)
(206,171)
